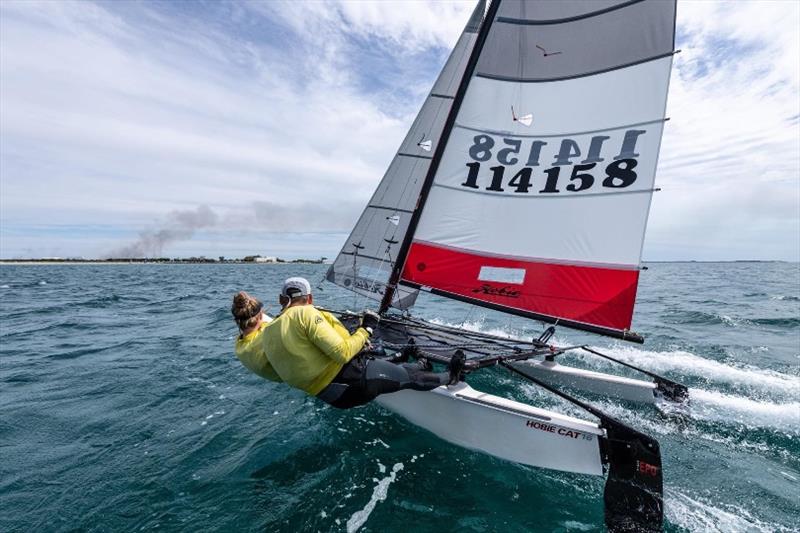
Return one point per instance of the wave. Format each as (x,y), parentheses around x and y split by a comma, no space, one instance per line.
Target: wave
(705,407)
(695,515)
(708,319)
(686,363)
(718,407)
(785,298)
(74,354)
(698,317)
(681,362)
(787,322)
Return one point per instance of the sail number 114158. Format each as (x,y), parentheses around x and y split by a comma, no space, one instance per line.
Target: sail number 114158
(617,174)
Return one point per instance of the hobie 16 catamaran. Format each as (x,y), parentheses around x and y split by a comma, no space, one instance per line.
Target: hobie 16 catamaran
(524,186)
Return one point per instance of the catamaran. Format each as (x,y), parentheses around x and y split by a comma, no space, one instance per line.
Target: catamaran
(524,186)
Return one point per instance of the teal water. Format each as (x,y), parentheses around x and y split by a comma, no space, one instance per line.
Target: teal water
(124,409)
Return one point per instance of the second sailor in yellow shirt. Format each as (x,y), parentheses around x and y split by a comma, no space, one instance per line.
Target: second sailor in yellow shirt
(249,346)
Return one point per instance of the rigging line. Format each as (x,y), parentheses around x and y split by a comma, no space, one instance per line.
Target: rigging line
(487,338)
(449,346)
(424,325)
(470,310)
(437,345)
(448,338)
(380,265)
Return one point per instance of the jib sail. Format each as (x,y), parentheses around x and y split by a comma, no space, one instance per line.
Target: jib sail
(371,251)
(537,201)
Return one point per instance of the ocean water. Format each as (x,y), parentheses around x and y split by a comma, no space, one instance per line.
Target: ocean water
(122,408)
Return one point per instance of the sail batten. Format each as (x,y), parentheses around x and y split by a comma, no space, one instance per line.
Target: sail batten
(542,22)
(570,134)
(574,76)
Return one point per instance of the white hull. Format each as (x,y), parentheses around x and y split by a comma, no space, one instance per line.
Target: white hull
(608,385)
(503,428)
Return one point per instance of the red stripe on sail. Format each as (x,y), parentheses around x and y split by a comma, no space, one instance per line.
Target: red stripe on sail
(593,295)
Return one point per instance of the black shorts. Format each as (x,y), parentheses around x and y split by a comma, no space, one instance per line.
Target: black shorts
(363,379)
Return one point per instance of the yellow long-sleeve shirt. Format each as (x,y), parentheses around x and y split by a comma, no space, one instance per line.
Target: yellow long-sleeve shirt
(250,351)
(308,347)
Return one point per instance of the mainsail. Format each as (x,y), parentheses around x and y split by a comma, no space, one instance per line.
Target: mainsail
(536,198)
(369,255)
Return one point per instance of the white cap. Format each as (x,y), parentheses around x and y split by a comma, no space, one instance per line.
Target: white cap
(294,287)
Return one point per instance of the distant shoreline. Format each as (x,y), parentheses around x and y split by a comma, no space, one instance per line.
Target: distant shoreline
(29,262)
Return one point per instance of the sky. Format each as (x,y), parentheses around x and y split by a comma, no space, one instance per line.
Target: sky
(235,128)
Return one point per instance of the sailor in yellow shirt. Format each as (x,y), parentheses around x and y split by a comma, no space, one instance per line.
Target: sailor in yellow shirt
(312,351)
(249,347)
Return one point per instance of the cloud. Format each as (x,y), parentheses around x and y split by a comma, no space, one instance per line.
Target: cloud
(730,158)
(118,114)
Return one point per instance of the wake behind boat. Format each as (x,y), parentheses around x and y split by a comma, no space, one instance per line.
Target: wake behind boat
(524,186)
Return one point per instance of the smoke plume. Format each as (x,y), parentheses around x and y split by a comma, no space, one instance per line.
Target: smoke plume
(178,226)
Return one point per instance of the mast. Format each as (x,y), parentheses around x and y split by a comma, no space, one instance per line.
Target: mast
(402,255)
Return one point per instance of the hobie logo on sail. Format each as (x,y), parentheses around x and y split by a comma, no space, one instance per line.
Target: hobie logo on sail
(510,292)
(618,173)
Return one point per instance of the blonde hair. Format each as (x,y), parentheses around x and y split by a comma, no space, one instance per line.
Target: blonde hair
(245,310)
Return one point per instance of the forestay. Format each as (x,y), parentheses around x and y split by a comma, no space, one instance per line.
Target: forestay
(370,252)
(539,198)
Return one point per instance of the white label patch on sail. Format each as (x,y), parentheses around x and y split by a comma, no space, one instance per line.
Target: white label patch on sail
(502,275)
